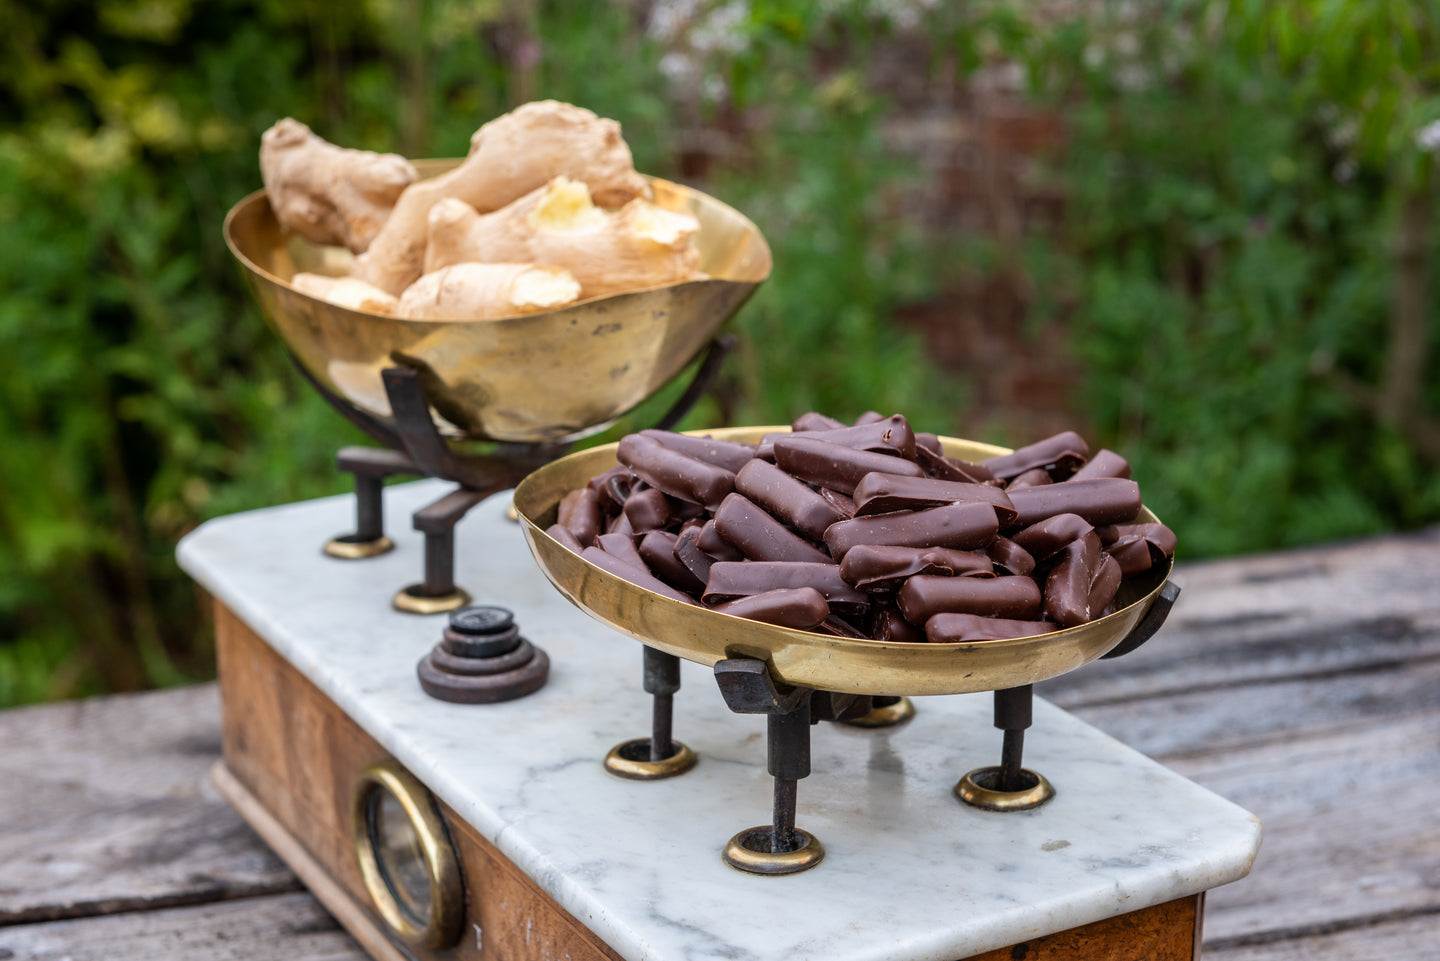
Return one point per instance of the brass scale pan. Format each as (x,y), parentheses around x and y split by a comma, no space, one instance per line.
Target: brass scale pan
(802,658)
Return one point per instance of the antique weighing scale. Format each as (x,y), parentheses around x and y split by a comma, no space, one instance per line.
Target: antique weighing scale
(465,767)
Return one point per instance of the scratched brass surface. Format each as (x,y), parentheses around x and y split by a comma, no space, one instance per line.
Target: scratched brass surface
(537,378)
(801,658)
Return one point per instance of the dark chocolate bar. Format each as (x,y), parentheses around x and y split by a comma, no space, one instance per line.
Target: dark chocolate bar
(961,526)
(883,567)
(730,579)
(579,513)
(688,552)
(925,596)
(815,421)
(1067,589)
(883,493)
(657,549)
(562,534)
(759,536)
(1103,500)
(722,453)
(1063,452)
(1035,477)
(1050,536)
(834,465)
(1105,463)
(1104,586)
(801,608)
(647,510)
(638,576)
(951,628)
(889,435)
(791,500)
(1010,556)
(1138,547)
(717,546)
(621,546)
(677,474)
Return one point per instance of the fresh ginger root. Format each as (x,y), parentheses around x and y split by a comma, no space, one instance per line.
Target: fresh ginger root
(329,194)
(474,291)
(637,247)
(346,292)
(509,157)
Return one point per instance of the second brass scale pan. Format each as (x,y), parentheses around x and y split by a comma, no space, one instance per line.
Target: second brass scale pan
(802,658)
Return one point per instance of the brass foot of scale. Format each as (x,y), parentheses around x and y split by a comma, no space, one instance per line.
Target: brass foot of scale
(753,851)
(658,756)
(1008,786)
(885,712)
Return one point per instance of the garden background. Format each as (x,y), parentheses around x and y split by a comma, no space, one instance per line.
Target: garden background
(1200,232)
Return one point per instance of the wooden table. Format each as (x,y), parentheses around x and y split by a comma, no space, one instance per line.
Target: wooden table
(1303,685)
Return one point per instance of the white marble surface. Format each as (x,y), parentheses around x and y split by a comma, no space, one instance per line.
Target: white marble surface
(909,873)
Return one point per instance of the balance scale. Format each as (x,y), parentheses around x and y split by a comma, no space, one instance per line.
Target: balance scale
(439,830)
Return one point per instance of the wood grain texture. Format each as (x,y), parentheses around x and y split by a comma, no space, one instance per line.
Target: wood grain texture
(289,926)
(105,807)
(1164,932)
(300,756)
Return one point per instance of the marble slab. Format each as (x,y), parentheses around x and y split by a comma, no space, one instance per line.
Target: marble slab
(910,873)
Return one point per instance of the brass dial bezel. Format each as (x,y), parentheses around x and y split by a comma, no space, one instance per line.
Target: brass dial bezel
(442,868)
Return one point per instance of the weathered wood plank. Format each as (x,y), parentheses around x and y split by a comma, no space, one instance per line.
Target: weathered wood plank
(1410,938)
(107,807)
(290,926)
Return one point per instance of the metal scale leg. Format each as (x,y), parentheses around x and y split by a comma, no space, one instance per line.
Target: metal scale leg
(1010,787)
(778,847)
(659,755)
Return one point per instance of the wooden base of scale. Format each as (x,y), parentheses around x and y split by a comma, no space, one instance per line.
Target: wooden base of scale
(292,759)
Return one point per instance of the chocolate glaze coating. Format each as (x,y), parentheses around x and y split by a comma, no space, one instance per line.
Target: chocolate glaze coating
(789,499)
(638,576)
(1067,588)
(884,567)
(801,608)
(924,596)
(949,628)
(834,465)
(883,493)
(1105,463)
(961,526)
(730,579)
(722,453)
(1102,500)
(579,513)
(759,536)
(1063,452)
(657,548)
(677,474)
(1050,536)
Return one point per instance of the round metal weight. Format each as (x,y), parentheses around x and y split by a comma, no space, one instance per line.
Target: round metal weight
(445,662)
(980,788)
(890,715)
(518,681)
(405,857)
(749,851)
(350,547)
(631,760)
(413,600)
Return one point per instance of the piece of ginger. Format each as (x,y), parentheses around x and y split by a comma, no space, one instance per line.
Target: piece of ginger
(509,157)
(474,291)
(346,292)
(637,247)
(329,194)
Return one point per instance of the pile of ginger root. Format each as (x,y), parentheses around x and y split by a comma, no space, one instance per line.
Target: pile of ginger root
(546,210)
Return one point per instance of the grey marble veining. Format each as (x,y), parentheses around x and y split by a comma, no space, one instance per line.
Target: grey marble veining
(909,873)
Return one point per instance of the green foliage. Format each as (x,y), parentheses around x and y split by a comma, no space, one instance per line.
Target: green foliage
(1230,272)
